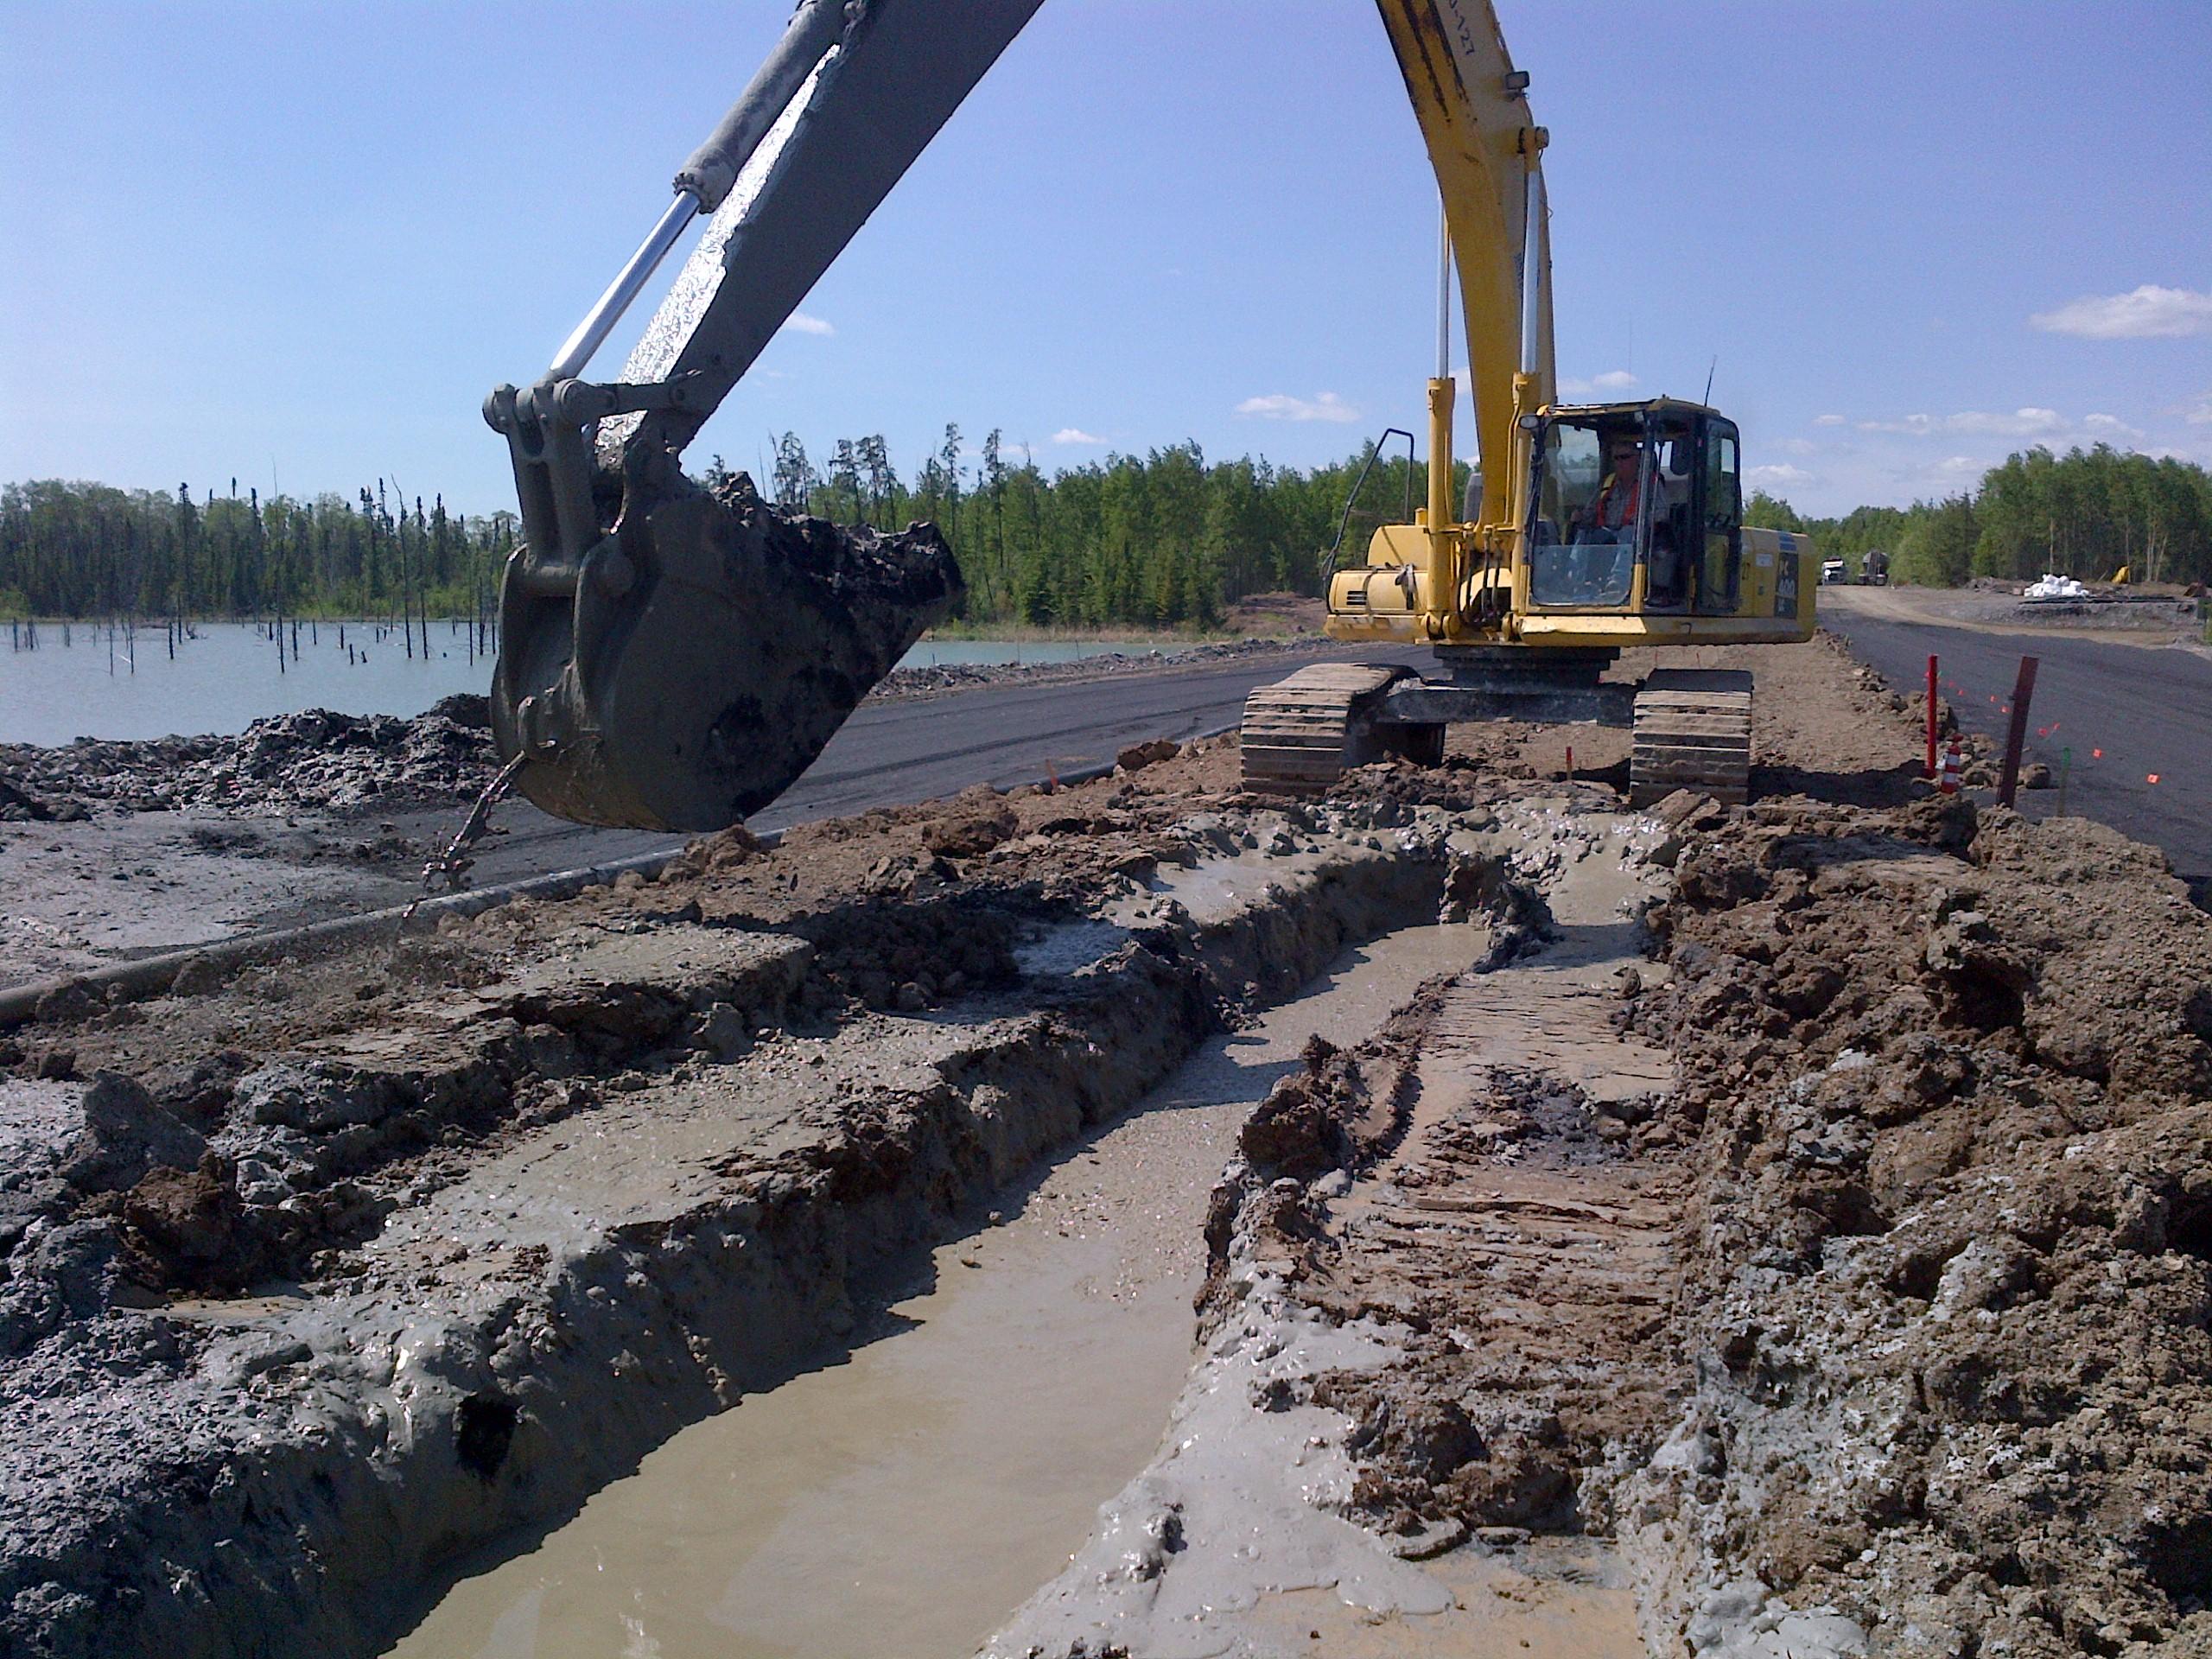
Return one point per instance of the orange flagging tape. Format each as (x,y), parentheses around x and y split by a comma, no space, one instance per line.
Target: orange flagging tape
(2150,778)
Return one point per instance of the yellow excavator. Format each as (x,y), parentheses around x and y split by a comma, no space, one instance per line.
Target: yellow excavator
(673,658)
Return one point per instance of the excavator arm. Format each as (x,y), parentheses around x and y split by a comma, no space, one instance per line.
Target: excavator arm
(670,660)
(673,661)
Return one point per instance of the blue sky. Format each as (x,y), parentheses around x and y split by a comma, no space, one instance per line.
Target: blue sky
(297,243)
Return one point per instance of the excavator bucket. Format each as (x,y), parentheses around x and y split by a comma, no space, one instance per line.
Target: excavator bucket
(692,664)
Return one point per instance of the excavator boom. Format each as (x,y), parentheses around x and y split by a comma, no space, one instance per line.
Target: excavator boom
(1486,150)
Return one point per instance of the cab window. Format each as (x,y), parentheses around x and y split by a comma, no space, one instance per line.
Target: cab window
(1593,487)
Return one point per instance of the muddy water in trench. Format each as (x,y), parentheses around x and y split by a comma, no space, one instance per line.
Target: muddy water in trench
(906,1498)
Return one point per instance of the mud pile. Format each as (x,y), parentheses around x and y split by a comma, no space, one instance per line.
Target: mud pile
(716,645)
(315,760)
(1953,1072)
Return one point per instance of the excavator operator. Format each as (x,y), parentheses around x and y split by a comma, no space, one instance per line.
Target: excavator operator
(1604,532)
(1613,509)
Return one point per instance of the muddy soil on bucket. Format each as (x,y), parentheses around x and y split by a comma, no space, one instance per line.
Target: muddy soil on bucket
(931,1480)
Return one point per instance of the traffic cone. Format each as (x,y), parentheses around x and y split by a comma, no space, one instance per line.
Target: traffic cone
(1947,775)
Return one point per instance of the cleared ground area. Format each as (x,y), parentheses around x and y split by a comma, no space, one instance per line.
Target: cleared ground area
(1770,1231)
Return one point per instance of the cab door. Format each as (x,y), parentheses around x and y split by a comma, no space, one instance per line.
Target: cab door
(1720,520)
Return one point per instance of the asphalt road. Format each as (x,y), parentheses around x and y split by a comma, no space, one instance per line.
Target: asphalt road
(920,749)
(2111,718)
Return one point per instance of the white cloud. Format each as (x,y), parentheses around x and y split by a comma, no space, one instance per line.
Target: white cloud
(2148,312)
(2200,413)
(1827,420)
(1076,435)
(1779,478)
(1611,380)
(1796,446)
(2111,425)
(2020,423)
(1280,406)
(799,323)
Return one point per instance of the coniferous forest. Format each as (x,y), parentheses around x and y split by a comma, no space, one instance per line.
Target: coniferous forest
(2088,513)
(1167,539)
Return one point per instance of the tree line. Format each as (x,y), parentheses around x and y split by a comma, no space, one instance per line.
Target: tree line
(2088,513)
(79,550)
(1164,539)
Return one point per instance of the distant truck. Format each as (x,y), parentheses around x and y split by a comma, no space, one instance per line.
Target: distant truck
(1833,571)
(1874,569)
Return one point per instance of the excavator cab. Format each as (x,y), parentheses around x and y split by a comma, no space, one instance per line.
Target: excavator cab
(1635,508)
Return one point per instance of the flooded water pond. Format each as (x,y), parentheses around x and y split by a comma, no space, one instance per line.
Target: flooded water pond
(225,676)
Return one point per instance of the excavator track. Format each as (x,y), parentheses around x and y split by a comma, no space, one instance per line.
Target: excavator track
(1693,731)
(1300,734)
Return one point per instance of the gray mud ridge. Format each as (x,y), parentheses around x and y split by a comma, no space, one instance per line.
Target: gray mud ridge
(314,760)
(282,1335)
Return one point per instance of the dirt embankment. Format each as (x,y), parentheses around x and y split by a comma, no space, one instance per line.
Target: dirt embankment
(2145,614)
(1953,1086)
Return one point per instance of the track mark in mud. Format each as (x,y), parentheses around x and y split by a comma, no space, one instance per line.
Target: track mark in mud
(1440,1292)
(1522,1225)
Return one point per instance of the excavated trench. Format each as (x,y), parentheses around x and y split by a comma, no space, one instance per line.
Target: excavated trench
(620,1244)
(621,1271)
(927,1481)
